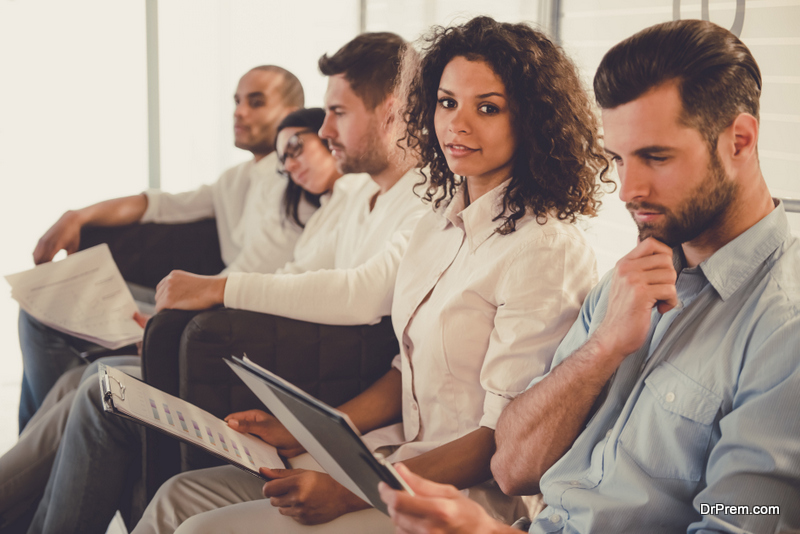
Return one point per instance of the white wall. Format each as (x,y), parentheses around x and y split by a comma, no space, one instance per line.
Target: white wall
(72,131)
(204,48)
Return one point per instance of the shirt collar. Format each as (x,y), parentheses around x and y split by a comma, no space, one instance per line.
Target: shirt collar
(267,164)
(477,219)
(729,267)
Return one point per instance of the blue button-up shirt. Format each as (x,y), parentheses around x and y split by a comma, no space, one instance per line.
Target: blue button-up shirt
(713,413)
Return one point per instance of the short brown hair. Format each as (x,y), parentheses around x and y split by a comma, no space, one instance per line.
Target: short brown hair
(717,76)
(370,64)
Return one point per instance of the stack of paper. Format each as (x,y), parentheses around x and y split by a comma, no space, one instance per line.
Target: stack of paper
(83,295)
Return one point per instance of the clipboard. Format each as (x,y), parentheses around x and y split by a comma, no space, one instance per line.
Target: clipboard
(128,397)
(326,433)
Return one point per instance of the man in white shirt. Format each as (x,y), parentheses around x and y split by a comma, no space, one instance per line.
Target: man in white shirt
(245,201)
(379,216)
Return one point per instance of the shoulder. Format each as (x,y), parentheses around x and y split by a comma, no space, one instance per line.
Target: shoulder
(237,176)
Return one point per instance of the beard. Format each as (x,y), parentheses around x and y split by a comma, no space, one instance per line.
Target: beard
(702,210)
(372,158)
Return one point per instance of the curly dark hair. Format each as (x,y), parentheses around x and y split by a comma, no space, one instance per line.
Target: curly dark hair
(558,156)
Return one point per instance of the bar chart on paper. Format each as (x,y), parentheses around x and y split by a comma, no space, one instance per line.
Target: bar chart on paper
(129,397)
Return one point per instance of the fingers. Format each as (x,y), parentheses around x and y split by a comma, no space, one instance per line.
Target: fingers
(140,318)
(247,416)
(648,247)
(282,483)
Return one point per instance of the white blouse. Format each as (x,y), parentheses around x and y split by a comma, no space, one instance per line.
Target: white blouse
(247,202)
(479,315)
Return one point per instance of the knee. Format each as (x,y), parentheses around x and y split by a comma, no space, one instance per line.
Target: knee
(166,512)
(88,396)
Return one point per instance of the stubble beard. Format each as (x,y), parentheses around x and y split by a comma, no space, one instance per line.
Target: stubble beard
(703,209)
(372,159)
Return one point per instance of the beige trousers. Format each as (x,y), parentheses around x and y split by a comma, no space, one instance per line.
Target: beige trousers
(226,499)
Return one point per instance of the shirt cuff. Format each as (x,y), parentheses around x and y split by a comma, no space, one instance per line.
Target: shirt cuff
(493,406)
(153,196)
(233,289)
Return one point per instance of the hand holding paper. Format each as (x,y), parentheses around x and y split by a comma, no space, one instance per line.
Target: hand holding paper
(267,428)
(83,295)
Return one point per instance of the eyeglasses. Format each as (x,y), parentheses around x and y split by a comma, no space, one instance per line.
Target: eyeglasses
(294,147)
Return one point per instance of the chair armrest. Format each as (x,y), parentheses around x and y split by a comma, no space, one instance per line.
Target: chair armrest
(146,253)
(183,351)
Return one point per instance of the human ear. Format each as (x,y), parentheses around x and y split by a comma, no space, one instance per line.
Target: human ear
(745,135)
(388,110)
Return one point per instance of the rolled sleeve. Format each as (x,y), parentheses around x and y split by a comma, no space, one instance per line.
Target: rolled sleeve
(493,406)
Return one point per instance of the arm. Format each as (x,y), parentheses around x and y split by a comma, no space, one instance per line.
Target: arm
(540,425)
(463,462)
(436,508)
(66,232)
(330,296)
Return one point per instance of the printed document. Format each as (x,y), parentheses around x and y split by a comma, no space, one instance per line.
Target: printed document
(128,397)
(83,295)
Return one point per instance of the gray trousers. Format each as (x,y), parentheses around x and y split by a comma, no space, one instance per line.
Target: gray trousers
(26,467)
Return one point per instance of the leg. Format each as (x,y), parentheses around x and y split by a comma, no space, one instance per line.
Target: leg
(92,468)
(24,469)
(226,499)
(46,355)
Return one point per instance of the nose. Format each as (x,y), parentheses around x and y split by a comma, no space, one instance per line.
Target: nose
(239,110)
(633,181)
(460,122)
(291,164)
(327,131)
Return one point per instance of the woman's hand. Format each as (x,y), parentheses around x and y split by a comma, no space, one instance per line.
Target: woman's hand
(266,427)
(309,497)
(180,290)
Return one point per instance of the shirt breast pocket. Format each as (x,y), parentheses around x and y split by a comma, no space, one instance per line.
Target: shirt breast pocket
(669,429)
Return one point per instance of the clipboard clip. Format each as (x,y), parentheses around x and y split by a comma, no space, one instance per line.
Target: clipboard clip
(109,392)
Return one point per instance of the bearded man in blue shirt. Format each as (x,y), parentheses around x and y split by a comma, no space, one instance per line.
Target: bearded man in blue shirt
(672,404)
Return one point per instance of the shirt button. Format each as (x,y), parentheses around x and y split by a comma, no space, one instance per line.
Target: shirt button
(555,518)
(574,483)
(414,407)
(669,397)
(608,433)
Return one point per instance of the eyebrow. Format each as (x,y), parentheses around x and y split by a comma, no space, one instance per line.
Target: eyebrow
(484,95)
(645,150)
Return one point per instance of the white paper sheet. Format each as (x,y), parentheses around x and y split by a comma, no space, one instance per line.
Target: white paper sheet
(187,422)
(83,295)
